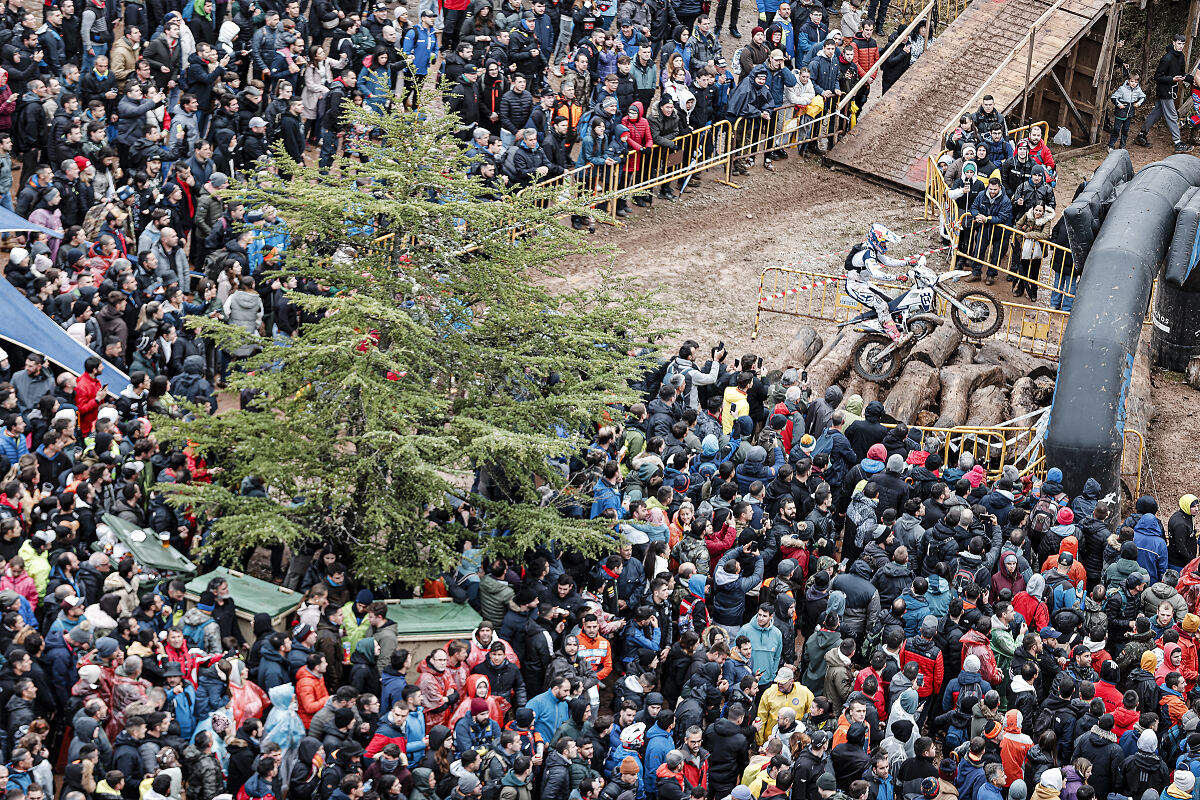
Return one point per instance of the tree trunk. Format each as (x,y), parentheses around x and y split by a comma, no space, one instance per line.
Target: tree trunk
(938,346)
(958,383)
(801,350)
(854,386)
(827,370)
(1015,363)
(989,407)
(870,392)
(1024,397)
(916,390)
(965,354)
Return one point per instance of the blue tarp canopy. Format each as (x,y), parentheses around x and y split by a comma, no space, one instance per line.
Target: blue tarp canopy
(10,222)
(24,325)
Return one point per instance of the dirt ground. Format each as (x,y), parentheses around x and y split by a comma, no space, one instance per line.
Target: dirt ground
(705,252)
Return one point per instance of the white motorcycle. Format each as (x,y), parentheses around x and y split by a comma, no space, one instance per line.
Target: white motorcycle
(976,313)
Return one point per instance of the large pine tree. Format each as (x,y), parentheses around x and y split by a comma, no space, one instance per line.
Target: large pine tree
(435,350)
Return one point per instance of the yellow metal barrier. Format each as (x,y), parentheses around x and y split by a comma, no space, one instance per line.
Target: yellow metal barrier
(787,127)
(991,246)
(991,446)
(1034,330)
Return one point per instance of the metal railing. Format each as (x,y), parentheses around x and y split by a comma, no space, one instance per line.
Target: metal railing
(992,245)
(945,12)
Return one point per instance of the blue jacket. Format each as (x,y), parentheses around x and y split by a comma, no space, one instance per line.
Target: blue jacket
(649,637)
(998,152)
(604,494)
(617,753)
(767,644)
(632,45)
(183,706)
(825,71)
(420,44)
(12,447)
(997,209)
(970,778)
(1151,546)
(884,789)
(917,609)
(788,29)
(550,712)
(729,590)
(658,744)
(210,692)
(950,696)
(778,80)
(748,99)
(415,731)
(546,33)
(988,791)
(469,736)
(272,669)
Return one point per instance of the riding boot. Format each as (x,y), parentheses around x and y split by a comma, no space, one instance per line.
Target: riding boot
(890,328)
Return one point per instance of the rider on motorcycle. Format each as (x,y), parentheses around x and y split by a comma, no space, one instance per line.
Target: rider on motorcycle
(862,264)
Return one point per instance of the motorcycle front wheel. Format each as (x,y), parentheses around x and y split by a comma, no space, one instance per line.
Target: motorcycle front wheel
(869,364)
(985,316)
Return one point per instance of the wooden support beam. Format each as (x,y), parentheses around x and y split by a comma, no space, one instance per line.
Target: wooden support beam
(1028,70)
(1083,125)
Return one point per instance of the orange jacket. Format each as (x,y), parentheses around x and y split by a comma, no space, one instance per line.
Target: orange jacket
(1188,659)
(311,694)
(597,653)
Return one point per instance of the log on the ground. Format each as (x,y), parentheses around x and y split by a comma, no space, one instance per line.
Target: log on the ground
(958,384)
(1015,363)
(854,386)
(870,393)
(1045,385)
(829,368)
(925,419)
(801,350)
(965,354)
(1192,372)
(938,346)
(915,391)
(989,406)
(1024,399)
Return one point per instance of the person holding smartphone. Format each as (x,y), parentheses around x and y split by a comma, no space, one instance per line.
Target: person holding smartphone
(90,394)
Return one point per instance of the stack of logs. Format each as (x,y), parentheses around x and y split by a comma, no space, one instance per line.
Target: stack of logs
(946,382)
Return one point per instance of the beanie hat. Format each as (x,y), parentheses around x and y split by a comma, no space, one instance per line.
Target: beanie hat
(1185,780)
(930,787)
(807,443)
(948,769)
(1018,791)
(1129,551)
(629,766)
(895,463)
(757,29)
(827,782)
(478,705)
(971,663)
(524,717)
(467,783)
(1191,623)
(933,463)
(364,597)
(1054,474)
(1065,516)
(1109,672)
(877,452)
(1147,742)
(857,733)
(342,717)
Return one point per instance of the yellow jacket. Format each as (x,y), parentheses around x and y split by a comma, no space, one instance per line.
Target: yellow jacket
(800,698)
(733,405)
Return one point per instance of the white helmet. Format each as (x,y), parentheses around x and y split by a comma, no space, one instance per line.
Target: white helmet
(879,236)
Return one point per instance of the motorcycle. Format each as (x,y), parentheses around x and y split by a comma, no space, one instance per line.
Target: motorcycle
(976,313)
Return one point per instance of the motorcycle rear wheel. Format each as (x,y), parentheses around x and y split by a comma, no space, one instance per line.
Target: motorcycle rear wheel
(868,365)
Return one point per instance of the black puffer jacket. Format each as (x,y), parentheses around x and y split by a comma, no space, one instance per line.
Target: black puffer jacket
(1101,748)
(728,754)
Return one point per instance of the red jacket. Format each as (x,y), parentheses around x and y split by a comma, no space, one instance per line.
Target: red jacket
(86,389)
(866,53)
(1041,154)
(719,542)
(639,136)
(974,642)
(928,657)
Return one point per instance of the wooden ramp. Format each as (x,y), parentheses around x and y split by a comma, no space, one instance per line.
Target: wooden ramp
(984,51)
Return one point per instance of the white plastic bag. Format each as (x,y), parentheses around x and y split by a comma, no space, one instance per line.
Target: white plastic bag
(1062,138)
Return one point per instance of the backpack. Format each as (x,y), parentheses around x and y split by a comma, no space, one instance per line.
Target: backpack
(971,690)
(735,66)
(687,377)
(214,262)
(195,634)
(962,576)
(1044,515)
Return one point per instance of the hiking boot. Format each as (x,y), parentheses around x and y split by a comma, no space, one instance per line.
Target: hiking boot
(767,165)
(1141,140)
(734,32)
(622,212)
(640,201)
(780,155)
(989,280)
(1180,147)
(973,279)
(666,194)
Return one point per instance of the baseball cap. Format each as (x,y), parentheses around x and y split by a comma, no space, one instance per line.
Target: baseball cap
(258,122)
(1050,633)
